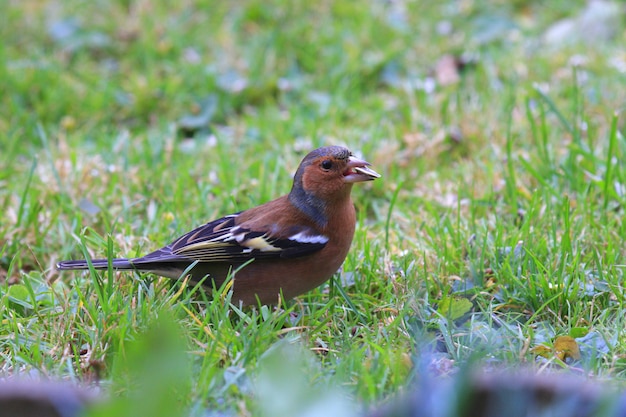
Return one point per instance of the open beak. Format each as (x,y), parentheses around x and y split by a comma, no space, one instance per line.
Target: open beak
(358,170)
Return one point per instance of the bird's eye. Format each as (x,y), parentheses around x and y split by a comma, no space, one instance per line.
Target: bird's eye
(327,164)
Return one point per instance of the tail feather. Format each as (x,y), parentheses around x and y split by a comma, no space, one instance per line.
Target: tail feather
(120,263)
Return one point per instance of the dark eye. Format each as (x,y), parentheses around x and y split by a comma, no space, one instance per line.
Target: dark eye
(327,164)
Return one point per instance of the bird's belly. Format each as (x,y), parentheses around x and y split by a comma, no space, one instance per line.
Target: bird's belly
(268,279)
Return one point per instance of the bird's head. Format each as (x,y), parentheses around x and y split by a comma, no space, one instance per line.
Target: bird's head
(326,175)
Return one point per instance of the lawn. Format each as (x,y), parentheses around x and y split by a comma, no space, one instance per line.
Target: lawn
(496,228)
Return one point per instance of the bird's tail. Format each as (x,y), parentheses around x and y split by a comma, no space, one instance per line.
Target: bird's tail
(119,263)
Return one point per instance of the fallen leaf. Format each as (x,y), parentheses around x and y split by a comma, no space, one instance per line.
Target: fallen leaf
(454,307)
(566,347)
(542,350)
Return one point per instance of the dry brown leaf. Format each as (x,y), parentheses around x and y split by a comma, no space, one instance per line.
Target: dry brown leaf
(566,347)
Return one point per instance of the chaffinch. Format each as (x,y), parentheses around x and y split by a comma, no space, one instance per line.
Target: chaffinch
(290,245)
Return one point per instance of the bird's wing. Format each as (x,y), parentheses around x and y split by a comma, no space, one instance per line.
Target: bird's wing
(223,240)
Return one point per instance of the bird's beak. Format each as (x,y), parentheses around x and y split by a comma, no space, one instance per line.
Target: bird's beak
(358,171)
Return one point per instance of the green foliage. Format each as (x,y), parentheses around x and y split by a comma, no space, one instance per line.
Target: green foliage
(498,224)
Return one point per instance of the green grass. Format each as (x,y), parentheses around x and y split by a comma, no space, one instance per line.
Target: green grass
(124,124)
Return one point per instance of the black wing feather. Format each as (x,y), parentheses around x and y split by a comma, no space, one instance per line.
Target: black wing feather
(223,241)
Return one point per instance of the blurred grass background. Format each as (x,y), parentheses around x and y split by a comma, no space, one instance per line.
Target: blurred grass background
(497,225)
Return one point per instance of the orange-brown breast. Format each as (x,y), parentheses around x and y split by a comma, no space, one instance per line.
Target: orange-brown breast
(267,278)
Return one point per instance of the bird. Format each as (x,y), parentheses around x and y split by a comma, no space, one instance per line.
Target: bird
(286,246)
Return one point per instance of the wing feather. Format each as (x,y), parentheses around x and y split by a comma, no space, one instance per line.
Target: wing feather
(223,240)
